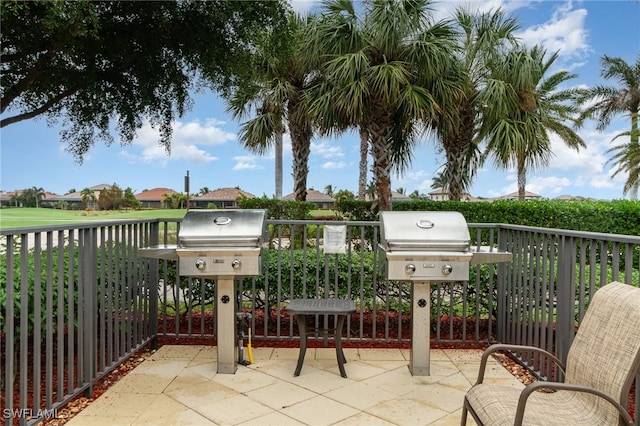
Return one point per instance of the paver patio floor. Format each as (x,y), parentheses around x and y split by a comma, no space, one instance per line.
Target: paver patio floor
(179,385)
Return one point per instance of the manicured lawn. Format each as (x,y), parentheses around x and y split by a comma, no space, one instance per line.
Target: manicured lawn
(21,217)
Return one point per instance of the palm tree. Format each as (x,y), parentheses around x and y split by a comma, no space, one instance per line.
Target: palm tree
(517,124)
(276,98)
(605,102)
(480,37)
(627,160)
(381,74)
(87,195)
(204,190)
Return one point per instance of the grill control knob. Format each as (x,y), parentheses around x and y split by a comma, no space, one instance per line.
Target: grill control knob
(235,263)
(410,268)
(447,269)
(200,263)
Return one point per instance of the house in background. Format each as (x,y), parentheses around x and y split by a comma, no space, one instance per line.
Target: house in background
(442,194)
(527,196)
(222,198)
(74,199)
(152,198)
(321,200)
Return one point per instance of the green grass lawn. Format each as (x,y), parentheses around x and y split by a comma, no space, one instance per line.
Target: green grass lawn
(22,217)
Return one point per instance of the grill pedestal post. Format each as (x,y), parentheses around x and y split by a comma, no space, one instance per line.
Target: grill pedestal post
(226,325)
(420,329)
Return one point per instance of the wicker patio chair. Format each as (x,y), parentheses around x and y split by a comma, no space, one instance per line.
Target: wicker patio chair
(602,363)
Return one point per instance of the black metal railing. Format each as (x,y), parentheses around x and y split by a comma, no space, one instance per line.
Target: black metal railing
(78,300)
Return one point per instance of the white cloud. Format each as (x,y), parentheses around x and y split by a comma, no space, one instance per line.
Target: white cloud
(547,186)
(334,165)
(186,141)
(326,150)
(246,162)
(565,32)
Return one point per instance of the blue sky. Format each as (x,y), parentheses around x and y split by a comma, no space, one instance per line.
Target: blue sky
(205,141)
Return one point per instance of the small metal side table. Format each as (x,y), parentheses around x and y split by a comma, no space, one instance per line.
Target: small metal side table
(338,307)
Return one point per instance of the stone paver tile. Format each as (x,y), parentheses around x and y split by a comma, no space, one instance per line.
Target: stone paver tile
(142,383)
(440,396)
(494,370)
(162,367)
(359,395)
(364,419)
(456,381)
(319,410)
(406,411)
(358,371)
(351,354)
(83,419)
(204,393)
(209,353)
(244,380)
(234,410)
(438,355)
(273,419)
(382,355)
(167,411)
(317,380)
(260,354)
(469,355)
(177,352)
(187,378)
(292,353)
(280,395)
(207,368)
(453,419)
(114,404)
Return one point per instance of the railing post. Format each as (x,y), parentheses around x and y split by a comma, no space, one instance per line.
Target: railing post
(87,279)
(501,305)
(565,306)
(154,231)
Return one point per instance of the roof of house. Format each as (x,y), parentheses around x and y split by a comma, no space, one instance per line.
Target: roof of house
(154,194)
(527,194)
(224,194)
(313,196)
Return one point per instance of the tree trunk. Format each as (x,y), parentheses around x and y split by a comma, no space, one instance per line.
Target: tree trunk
(278,153)
(364,152)
(380,131)
(301,133)
(522,181)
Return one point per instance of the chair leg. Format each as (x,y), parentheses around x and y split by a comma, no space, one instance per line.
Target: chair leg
(463,419)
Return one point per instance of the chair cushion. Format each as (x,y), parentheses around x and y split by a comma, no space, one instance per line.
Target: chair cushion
(496,405)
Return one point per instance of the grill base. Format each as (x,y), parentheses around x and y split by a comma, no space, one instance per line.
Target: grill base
(419,359)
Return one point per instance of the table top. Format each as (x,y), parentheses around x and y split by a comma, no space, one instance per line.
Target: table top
(321,306)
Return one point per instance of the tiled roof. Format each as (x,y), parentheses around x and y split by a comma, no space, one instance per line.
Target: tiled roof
(154,194)
(224,194)
(312,196)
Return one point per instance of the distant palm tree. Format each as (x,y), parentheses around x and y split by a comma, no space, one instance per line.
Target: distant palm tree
(204,190)
(282,78)
(627,160)
(605,102)
(480,38)
(517,125)
(440,181)
(88,196)
(382,68)
(328,190)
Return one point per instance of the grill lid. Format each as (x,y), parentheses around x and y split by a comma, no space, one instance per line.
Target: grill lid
(424,231)
(221,228)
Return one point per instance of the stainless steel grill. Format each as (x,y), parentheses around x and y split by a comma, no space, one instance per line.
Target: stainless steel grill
(221,245)
(425,247)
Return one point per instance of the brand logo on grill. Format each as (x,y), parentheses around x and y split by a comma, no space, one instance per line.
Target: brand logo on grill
(218,260)
(428,265)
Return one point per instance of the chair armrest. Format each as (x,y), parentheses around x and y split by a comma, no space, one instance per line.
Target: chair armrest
(528,390)
(505,347)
